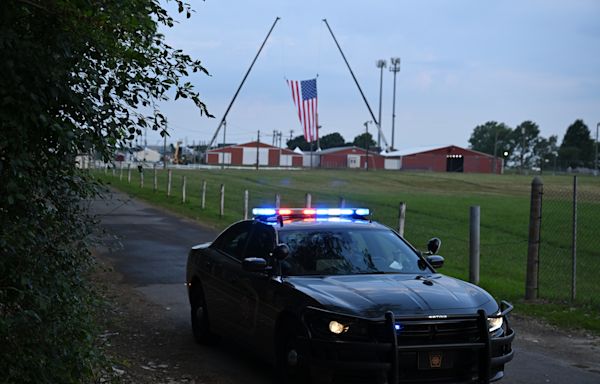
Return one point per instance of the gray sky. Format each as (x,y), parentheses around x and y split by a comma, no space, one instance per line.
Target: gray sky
(464,62)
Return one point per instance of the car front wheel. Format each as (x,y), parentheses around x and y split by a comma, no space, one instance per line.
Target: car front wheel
(199,315)
(293,365)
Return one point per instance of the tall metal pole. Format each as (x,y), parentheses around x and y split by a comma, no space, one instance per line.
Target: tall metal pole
(380,64)
(355,81)
(596,158)
(241,84)
(394,67)
(574,243)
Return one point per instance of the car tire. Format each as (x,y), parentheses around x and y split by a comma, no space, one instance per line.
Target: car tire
(199,317)
(292,355)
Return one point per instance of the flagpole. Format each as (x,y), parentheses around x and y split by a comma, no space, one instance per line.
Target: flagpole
(241,84)
(356,82)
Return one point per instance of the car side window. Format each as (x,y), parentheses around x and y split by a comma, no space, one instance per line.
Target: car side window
(261,241)
(234,239)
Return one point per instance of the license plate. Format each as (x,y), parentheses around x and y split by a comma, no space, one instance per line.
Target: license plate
(436,360)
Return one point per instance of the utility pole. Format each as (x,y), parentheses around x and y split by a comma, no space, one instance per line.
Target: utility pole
(523,151)
(395,68)
(257,145)
(495,149)
(224,129)
(380,64)
(318,139)
(317,133)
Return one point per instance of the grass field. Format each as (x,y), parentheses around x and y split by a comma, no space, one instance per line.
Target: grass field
(437,205)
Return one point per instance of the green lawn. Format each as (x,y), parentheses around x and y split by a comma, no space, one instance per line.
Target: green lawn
(437,205)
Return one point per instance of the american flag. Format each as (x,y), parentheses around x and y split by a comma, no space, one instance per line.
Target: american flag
(304,94)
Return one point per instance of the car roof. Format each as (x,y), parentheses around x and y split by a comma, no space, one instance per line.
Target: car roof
(325,224)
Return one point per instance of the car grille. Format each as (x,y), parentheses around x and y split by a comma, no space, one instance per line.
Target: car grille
(434,332)
(438,332)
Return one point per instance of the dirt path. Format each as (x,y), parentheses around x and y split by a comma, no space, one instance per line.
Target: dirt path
(149,344)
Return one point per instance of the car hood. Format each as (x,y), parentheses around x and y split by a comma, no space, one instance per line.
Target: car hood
(373,295)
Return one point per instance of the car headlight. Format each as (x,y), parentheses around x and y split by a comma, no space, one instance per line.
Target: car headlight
(337,327)
(327,324)
(494,323)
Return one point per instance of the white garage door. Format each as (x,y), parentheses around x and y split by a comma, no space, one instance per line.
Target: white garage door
(249,157)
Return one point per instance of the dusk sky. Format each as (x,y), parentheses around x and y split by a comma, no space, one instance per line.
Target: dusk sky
(463,62)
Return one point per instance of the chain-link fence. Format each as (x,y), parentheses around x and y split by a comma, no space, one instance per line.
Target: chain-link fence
(569,264)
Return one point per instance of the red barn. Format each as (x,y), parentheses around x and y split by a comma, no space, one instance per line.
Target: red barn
(349,157)
(246,154)
(444,159)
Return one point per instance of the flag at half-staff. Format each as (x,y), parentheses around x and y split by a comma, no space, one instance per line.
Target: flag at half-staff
(304,93)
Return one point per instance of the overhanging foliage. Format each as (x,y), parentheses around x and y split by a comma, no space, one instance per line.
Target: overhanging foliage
(74,78)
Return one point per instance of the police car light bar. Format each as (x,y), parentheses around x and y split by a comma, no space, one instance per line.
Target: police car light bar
(311,212)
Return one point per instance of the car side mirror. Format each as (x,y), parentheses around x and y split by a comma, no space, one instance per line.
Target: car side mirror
(436,261)
(281,251)
(433,245)
(254,264)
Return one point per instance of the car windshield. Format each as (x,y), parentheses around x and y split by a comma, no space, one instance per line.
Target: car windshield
(347,252)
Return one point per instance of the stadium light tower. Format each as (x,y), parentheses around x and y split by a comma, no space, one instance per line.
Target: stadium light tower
(380,64)
(394,67)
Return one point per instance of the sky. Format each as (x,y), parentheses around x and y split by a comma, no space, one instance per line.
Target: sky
(463,63)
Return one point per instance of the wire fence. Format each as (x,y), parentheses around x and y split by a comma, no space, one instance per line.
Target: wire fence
(569,266)
(567,269)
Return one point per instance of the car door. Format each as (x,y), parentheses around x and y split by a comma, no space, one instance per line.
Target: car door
(256,312)
(222,294)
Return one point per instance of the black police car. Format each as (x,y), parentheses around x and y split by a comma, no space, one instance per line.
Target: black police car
(328,295)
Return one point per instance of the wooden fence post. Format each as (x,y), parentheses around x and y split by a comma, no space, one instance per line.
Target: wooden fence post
(121,174)
(308,200)
(533,249)
(183,189)
(474,232)
(277,201)
(203,197)
(342,202)
(129,173)
(222,205)
(246,197)
(401,218)
(155,184)
(141,178)
(169,180)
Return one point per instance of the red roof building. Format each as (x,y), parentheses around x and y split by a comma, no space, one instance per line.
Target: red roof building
(444,159)
(349,157)
(248,153)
